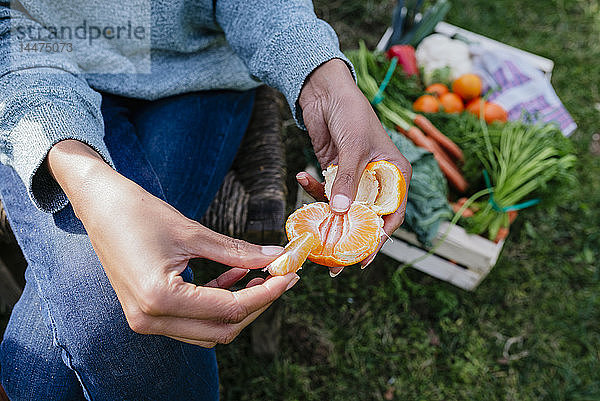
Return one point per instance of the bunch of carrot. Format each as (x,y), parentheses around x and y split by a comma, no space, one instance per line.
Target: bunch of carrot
(414,126)
(424,134)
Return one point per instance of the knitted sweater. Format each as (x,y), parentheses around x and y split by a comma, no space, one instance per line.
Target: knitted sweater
(57,55)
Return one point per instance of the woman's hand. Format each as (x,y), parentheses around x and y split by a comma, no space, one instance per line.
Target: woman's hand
(344,130)
(144,244)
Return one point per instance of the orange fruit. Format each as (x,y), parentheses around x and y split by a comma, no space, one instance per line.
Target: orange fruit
(475,106)
(294,254)
(437,89)
(494,112)
(426,104)
(337,240)
(342,239)
(467,86)
(452,103)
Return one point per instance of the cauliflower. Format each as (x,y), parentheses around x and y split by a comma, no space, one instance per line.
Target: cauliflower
(438,51)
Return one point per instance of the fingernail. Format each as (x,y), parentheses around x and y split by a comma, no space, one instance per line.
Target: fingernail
(292,282)
(340,203)
(332,274)
(271,250)
(302,179)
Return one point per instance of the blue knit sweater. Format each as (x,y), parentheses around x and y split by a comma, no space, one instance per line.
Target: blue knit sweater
(57,55)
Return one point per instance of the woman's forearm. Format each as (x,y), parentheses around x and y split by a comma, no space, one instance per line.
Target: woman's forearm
(78,169)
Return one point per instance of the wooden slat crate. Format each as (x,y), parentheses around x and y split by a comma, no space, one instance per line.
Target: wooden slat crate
(461,259)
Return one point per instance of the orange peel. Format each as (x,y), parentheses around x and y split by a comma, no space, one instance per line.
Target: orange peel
(381,187)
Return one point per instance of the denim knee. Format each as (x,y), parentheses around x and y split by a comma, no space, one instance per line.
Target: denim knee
(31,364)
(114,362)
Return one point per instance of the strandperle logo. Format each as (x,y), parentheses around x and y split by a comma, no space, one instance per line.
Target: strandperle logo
(84,31)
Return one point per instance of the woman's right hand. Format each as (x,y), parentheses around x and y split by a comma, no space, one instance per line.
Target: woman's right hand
(144,244)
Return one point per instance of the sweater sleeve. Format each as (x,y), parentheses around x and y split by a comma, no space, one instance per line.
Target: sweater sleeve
(43,100)
(281,42)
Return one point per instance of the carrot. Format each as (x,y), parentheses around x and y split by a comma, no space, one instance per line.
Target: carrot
(449,169)
(467,212)
(438,149)
(502,234)
(512,215)
(431,131)
(423,122)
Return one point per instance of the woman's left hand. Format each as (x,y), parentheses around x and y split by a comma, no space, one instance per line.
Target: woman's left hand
(344,130)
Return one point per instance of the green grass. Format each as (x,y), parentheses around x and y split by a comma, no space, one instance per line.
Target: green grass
(368,333)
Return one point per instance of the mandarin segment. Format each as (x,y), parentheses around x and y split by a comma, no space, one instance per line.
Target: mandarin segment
(294,255)
(307,219)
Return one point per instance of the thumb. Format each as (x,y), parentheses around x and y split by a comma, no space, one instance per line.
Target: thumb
(345,184)
(208,244)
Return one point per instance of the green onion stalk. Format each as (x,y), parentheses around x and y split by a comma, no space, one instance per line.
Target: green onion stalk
(521,161)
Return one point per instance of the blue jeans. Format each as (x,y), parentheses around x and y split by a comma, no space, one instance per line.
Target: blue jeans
(67,338)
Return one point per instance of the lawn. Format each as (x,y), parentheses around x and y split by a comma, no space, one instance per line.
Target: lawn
(531,331)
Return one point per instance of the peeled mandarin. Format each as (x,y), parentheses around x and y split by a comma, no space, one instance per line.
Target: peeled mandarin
(343,239)
(335,240)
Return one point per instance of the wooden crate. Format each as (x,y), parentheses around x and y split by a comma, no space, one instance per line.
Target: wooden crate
(461,259)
